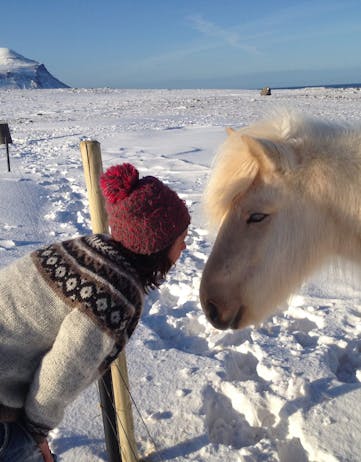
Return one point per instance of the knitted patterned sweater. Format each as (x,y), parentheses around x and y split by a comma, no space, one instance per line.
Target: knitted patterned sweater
(67,310)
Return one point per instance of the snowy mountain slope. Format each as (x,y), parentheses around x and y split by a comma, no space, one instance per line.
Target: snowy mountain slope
(16,71)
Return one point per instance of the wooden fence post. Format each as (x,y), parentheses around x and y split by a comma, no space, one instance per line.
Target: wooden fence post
(122,407)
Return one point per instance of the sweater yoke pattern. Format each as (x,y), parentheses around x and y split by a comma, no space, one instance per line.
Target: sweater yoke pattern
(90,274)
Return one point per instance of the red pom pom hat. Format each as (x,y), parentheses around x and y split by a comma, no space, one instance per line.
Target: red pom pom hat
(144,215)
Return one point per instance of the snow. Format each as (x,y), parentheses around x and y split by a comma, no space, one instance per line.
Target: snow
(16,71)
(10,60)
(288,391)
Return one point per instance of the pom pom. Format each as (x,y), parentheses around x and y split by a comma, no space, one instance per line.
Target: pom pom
(118,182)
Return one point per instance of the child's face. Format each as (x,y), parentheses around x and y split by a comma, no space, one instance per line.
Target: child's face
(177,247)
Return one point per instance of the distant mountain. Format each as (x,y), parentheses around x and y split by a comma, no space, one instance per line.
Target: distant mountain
(19,72)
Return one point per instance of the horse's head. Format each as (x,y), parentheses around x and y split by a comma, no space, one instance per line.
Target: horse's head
(268,237)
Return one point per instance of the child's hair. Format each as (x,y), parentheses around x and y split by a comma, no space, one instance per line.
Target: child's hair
(151,269)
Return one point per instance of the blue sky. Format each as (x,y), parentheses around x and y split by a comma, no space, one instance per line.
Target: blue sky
(188,43)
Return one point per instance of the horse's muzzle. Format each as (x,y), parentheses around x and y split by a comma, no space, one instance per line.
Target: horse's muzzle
(218,318)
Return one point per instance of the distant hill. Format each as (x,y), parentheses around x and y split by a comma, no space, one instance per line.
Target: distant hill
(16,71)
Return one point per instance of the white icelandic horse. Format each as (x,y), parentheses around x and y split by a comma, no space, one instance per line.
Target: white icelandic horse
(285,194)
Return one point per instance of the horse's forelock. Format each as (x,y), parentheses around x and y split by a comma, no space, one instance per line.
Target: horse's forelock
(232,174)
(233,170)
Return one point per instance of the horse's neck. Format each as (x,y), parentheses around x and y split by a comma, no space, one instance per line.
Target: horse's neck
(337,186)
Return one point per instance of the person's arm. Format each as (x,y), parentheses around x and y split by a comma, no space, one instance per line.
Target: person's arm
(68,368)
(45,451)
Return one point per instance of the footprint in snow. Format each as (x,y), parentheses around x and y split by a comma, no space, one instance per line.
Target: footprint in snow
(225,425)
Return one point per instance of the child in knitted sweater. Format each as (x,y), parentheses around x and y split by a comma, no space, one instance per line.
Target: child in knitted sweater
(68,309)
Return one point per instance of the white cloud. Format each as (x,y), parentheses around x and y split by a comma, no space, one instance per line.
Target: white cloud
(229,36)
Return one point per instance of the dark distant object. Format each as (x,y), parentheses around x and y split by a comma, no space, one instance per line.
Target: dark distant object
(16,71)
(266,91)
(5,138)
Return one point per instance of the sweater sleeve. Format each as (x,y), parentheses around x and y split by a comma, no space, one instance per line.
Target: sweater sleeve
(71,365)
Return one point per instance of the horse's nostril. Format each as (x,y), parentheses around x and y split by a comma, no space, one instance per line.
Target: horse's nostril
(212,312)
(238,317)
(214,316)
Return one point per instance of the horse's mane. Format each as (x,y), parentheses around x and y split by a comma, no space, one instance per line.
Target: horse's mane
(233,171)
(286,125)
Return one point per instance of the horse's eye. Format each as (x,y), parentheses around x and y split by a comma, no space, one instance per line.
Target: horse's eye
(256,217)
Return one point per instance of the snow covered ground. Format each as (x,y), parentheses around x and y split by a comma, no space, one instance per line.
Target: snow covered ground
(288,391)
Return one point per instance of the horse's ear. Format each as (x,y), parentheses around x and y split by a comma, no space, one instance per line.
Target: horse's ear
(230,130)
(264,151)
